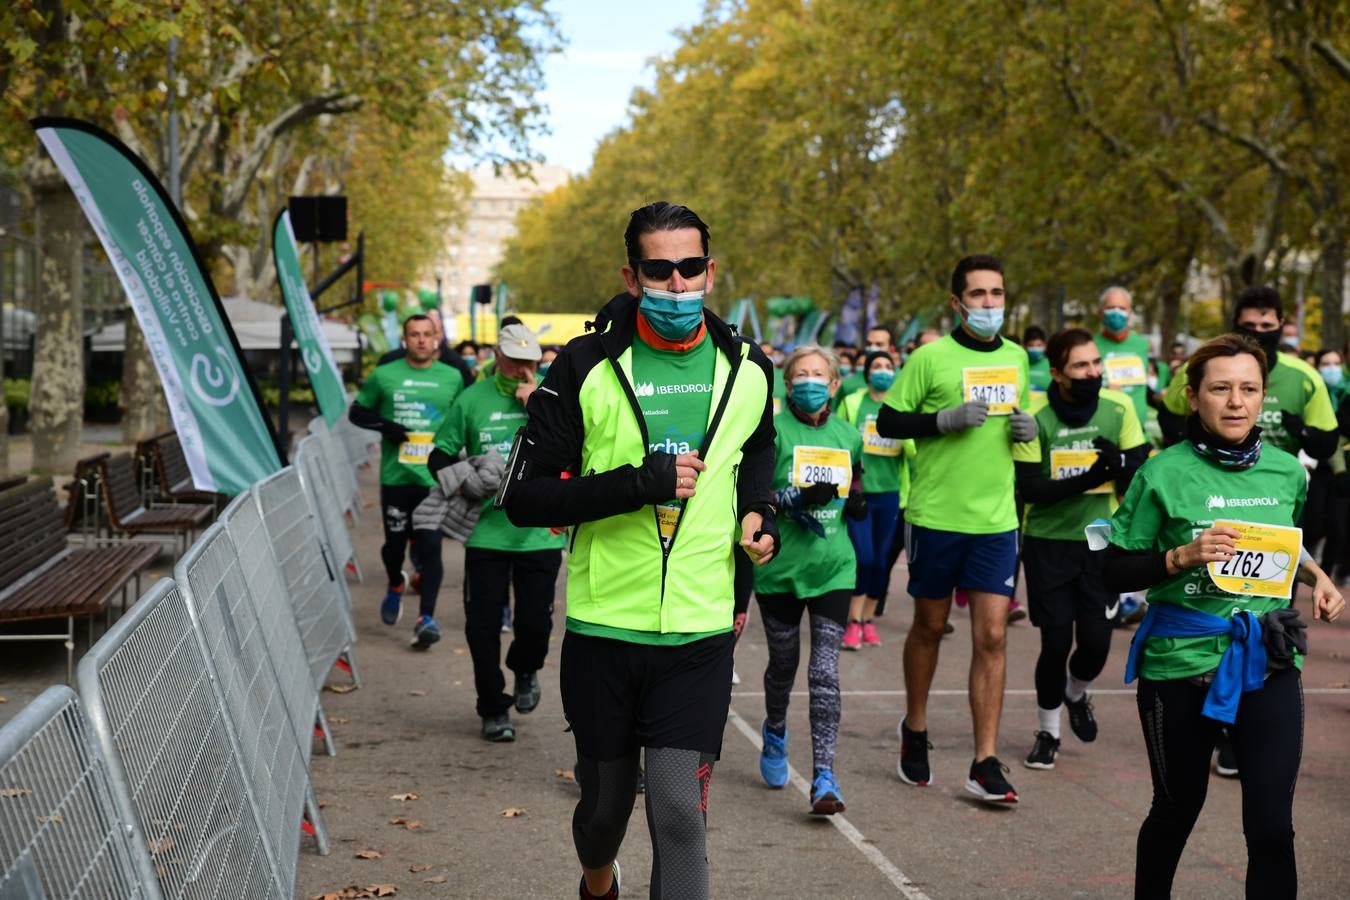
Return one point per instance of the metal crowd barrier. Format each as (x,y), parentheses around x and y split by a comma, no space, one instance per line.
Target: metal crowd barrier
(319,485)
(212,580)
(362,445)
(315,586)
(340,471)
(151,694)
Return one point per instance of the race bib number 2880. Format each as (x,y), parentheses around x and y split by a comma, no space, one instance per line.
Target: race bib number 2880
(811,465)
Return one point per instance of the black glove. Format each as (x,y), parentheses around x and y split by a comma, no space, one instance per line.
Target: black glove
(1108,464)
(1293,423)
(768,526)
(819,493)
(654,480)
(855,507)
(393,431)
(1283,632)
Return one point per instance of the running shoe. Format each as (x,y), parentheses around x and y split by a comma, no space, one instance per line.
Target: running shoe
(1015,612)
(498,729)
(735,676)
(1226,764)
(415,583)
(527,692)
(641,786)
(826,798)
(391,608)
(773,764)
(1136,615)
(986,781)
(613,891)
(425,633)
(506,620)
(947,629)
(1081,720)
(1043,752)
(961,597)
(870,636)
(853,635)
(913,764)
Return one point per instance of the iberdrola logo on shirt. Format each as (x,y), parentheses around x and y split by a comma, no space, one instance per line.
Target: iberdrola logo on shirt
(1217,502)
(650,389)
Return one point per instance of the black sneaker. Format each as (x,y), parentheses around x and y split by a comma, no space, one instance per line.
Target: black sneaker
(913,764)
(1081,720)
(527,692)
(613,890)
(1227,764)
(986,781)
(498,729)
(641,781)
(1043,752)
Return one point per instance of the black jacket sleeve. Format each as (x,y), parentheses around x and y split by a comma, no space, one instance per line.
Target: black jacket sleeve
(754,479)
(1343,417)
(891,423)
(1034,487)
(1132,570)
(1319,444)
(1172,426)
(365,418)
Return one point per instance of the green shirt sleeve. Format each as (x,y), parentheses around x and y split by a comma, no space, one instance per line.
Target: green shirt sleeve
(451,437)
(1131,432)
(910,388)
(1317,412)
(1174,398)
(369,395)
(1139,519)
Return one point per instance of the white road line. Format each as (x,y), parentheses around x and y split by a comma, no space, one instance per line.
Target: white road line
(1019,692)
(844,826)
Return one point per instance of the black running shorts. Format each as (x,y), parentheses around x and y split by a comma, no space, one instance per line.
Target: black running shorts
(1064,581)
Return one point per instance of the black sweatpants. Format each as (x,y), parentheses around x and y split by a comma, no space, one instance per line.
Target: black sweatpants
(1268,740)
(488,578)
(397,502)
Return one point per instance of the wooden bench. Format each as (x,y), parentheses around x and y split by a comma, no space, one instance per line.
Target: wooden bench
(162,458)
(126,511)
(82,497)
(8,483)
(43,577)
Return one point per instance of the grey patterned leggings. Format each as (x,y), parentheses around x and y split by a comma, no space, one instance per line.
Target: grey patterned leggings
(782,616)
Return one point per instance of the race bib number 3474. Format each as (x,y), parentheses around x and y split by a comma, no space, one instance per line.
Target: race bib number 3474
(994,385)
(1265,561)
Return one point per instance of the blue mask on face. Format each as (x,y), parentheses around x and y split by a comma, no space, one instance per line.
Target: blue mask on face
(1332,375)
(845,370)
(1035,354)
(671,315)
(810,396)
(881,379)
(984,322)
(1116,320)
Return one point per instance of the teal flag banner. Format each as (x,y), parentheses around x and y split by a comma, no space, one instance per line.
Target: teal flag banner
(228,441)
(315,351)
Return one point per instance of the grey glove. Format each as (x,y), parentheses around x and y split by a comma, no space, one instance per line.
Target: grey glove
(1022,425)
(959,418)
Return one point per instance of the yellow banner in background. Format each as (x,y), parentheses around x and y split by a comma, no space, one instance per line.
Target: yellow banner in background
(551,328)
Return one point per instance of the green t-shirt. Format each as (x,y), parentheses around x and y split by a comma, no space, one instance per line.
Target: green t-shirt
(1292,386)
(1125,368)
(807,566)
(855,381)
(674,390)
(417,399)
(882,457)
(779,391)
(481,420)
(962,481)
(1114,420)
(1173,497)
(1038,373)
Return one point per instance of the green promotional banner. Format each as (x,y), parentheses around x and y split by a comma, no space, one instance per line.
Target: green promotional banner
(216,409)
(315,351)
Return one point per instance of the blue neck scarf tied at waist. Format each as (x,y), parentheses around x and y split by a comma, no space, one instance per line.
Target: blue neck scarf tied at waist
(1242,667)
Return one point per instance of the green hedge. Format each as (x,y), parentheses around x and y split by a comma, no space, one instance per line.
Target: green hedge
(16,393)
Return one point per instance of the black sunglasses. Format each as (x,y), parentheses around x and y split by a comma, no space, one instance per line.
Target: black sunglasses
(660,269)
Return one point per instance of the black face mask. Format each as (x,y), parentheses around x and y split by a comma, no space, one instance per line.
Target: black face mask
(1269,341)
(1085,390)
(1082,403)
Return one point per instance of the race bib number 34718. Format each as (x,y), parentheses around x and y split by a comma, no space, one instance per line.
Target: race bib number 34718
(994,385)
(1265,561)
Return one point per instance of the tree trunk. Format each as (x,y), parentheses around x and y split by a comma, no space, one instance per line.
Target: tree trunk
(57,404)
(144,411)
(1333,288)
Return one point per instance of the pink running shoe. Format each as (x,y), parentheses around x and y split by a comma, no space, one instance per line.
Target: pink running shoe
(853,635)
(870,638)
(962,598)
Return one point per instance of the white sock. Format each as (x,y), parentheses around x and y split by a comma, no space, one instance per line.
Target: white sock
(1076,688)
(1049,719)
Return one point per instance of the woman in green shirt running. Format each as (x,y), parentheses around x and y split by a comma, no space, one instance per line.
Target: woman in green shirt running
(1216,648)
(817,480)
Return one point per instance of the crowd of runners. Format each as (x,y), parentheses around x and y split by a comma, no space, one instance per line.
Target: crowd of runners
(680,469)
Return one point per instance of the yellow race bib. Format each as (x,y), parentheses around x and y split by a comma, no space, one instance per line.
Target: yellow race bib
(416,449)
(1068,463)
(995,385)
(1265,563)
(811,465)
(1125,371)
(876,445)
(666,519)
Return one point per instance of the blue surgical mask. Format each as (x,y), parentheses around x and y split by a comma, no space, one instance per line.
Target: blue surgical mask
(1116,320)
(471,362)
(543,369)
(672,315)
(810,394)
(1332,375)
(881,379)
(845,370)
(984,322)
(1035,354)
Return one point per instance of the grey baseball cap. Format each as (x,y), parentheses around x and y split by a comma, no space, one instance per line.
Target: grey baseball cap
(519,342)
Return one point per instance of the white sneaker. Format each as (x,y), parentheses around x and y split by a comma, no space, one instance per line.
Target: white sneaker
(735,676)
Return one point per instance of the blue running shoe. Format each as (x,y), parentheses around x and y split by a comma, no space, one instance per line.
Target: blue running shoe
(391,608)
(826,798)
(773,764)
(425,633)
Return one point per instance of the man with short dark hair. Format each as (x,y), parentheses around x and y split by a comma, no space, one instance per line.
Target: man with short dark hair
(662,416)
(961,398)
(444,352)
(405,401)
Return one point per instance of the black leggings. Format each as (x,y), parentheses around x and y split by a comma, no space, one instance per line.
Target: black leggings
(397,501)
(1085,663)
(1268,740)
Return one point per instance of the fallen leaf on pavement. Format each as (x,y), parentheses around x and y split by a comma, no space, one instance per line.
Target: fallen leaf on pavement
(512,812)
(416,870)
(4,699)
(43,820)
(435,879)
(417,693)
(459,651)
(404,798)
(15,792)
(369,854)
(161,845)
(340,688)
(565,773)
(383,890)
(353,892)
(339,720)
(410,824)
(1338,684)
